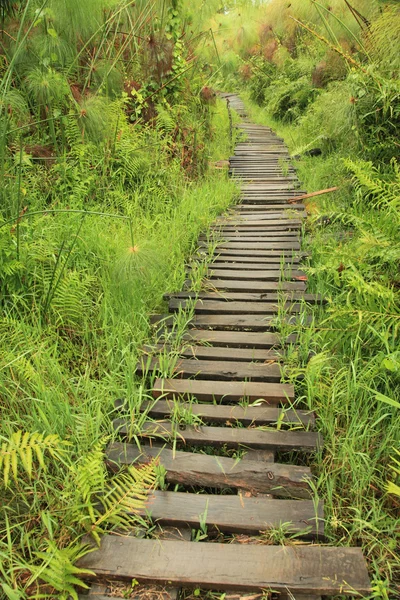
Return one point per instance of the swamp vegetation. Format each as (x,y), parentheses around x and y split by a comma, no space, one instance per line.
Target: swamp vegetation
(110,135)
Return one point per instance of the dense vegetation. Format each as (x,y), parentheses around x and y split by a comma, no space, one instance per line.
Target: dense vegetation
(108,133)
(326,75)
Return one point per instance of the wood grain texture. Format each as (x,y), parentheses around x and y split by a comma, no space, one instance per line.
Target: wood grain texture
(306,569)
(225,392)
(231,437)
(204,470)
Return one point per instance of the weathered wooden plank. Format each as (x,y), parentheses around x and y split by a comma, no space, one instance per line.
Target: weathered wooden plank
(225,413)
(221,307)
(236,322)
(309,569)
(214,272)
(231,437)
(248,296)
(216,353)
(235,514)
(211,369)
(204,470)
(225,392)
(237,339)
(238,266)
(256,286)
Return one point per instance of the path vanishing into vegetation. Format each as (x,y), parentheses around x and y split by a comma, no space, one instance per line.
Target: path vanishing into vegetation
(232,449)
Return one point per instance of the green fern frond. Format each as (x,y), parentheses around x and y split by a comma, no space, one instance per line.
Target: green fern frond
(126,495)
(24,449)
(58,569)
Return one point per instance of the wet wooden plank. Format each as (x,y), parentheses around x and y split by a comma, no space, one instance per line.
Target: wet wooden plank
(224,413)
(225,392)
(205,470)
(231,437)
(308,569)
(221,370)
(235,514)
(236,339)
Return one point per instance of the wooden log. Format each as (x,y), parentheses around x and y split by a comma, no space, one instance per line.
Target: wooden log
(307,569)
(247,297)
(203,470)
(225,392)
(231,437)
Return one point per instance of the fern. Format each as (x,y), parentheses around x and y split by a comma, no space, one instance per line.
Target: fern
(24,449)
(58,569)
(101,501)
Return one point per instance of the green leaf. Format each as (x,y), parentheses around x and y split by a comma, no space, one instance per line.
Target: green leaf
(52,32)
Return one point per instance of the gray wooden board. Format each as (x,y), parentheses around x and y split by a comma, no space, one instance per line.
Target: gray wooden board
(248,297)
(215,272)
(257,236)
(260,261)
(248,266)
(309,569)
(225,392)
(235,514)
(254,286)
(215,353)
(225,413)
(231,437)
(243,252)
(237,339)
(205,470)
(254,245)
(236,322)
(212,369)
(221,307)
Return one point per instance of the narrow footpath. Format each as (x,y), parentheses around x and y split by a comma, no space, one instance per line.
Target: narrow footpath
(228,379)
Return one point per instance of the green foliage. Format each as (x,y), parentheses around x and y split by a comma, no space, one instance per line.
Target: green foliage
(23,449)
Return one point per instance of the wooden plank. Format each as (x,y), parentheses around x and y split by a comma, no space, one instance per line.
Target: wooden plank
(248,296)
(247,415)
(225,392)
(211,369)
(204,470)
(214,272)
(280,254)
(215,353)
(221,307)
(254,245)
(254,236)
(308,569)
(255,286)
(231,437)
(235,514)
(235,265)
(236,322)
(236,339)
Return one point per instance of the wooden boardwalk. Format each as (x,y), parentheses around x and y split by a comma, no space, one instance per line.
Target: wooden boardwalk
(227,376)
